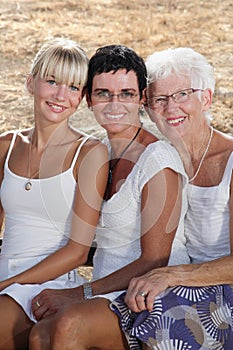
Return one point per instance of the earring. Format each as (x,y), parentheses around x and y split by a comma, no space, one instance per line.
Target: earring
(141,109)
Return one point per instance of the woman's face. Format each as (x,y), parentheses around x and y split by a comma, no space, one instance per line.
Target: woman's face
(182,113)
(53,102)
(116,113)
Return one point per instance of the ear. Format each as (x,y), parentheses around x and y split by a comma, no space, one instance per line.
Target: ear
(29,84)
(143,99)
(207,97)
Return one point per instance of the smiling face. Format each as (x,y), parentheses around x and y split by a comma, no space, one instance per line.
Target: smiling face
(115,115)
(178,119)
(53,102)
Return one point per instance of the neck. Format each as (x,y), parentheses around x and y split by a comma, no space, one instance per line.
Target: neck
(48,137)
(193,153)
(119,141)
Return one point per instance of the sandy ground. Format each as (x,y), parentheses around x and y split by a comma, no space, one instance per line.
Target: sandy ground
(145,26)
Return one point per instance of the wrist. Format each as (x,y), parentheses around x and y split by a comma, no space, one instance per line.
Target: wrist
(87,291)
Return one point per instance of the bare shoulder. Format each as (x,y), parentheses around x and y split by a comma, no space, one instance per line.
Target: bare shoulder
(5,140)
(224,141)
(148,137)
(94,148)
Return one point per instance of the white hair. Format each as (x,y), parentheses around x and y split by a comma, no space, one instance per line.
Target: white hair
(181,61)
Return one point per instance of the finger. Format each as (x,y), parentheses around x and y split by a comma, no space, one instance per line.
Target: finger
(135,300)
(150,301)
(49,312)
(141,302)
(39,312)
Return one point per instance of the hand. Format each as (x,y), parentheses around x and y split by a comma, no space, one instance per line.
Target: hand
(143,290)
(49,301)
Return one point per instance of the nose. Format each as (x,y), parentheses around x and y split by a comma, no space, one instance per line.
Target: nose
(60,93)
(171,104)
(114,98)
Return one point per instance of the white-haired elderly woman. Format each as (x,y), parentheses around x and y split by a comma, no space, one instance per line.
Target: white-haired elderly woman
(188,306)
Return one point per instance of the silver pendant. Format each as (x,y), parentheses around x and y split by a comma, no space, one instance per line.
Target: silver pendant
(28,186)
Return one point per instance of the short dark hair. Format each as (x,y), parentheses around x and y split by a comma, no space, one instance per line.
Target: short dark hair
(114,57)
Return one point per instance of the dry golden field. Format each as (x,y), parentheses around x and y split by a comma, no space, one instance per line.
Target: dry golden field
(145,26)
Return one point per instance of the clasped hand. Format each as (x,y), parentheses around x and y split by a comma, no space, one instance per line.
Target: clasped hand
(143,290)
(49,301)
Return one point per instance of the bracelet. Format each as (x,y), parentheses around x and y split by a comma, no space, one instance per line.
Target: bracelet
(87,291)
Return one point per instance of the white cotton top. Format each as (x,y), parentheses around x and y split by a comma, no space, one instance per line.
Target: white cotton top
(37,222)
(119,230)
(207,223)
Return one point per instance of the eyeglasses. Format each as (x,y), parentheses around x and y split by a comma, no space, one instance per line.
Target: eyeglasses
(178,97)
(106,96)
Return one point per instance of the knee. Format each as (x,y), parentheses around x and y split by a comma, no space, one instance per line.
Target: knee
(67,326)
(39,338)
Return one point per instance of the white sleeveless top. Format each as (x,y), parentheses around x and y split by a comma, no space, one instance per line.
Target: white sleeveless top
(37,222)
(208,219)
(119,231)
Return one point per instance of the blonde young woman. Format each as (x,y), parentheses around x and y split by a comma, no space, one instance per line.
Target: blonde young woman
(44,173)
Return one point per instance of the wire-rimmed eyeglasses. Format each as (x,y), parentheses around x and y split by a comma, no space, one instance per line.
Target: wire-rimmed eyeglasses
(178,97)
(106,96)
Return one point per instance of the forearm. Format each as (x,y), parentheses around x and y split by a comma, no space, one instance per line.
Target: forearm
(50,268)
(158,280)
(119,280)
(219,271)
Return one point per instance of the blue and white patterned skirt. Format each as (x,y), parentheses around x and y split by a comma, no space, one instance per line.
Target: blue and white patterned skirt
(183,318)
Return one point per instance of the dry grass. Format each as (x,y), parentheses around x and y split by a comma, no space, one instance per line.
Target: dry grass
(145,26)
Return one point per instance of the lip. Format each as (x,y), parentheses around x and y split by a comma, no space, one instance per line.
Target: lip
(56,108)
(176,121)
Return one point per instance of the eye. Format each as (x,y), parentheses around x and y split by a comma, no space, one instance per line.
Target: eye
(74,88)
(182,93)
(103,94)
(160,99)
(127,94)
(51,82)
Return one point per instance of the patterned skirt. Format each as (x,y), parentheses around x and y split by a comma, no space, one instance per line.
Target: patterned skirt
(183,318)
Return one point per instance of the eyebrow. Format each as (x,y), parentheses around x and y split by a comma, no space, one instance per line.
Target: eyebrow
(125,89)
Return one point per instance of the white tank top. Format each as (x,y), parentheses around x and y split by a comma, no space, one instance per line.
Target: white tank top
(207,219)
(37,222)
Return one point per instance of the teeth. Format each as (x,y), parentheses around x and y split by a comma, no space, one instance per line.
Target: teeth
(115,116)
(175,121)
(58,108)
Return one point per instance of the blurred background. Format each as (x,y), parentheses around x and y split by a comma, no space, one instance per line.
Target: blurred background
(145,26)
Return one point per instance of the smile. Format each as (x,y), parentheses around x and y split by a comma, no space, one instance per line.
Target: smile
(56,107)
(115,116)
(175,121)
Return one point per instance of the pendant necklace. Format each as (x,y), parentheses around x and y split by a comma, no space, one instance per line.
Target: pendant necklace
(203,156)
(28,184)
(111,168)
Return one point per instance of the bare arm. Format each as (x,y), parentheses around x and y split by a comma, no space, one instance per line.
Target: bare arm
(161,203)
(85,219)
(5,140)
(215,272)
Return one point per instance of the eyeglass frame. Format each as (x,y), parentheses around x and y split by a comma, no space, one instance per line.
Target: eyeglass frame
(111,95)
(166,97)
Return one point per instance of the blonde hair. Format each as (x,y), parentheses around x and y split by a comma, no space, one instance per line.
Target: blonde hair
(64,59)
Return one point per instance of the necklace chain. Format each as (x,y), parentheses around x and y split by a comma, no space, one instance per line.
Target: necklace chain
(203,156)
(28,184)
(111,168)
